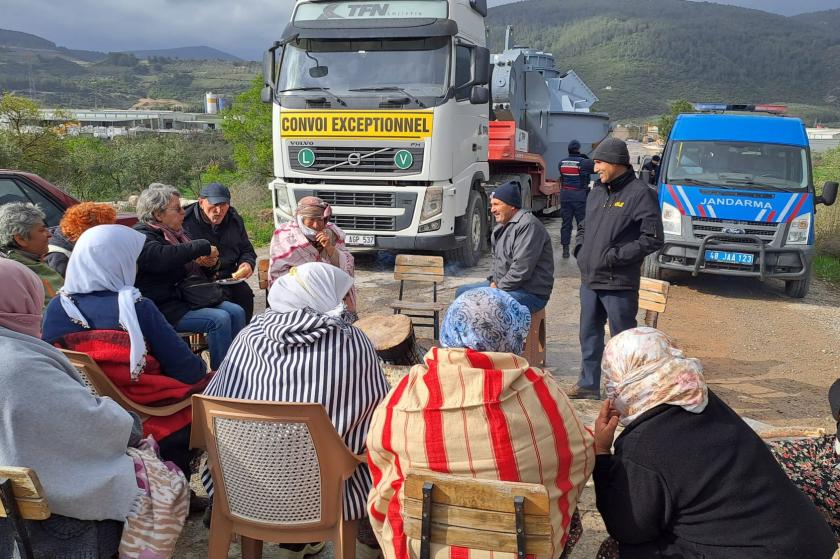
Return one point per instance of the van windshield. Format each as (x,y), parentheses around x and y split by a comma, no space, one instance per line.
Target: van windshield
(738,165)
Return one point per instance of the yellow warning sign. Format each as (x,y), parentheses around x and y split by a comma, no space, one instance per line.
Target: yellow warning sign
(326,124)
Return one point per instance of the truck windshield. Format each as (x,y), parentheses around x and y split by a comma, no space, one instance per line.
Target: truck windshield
(738,165)
(377,67)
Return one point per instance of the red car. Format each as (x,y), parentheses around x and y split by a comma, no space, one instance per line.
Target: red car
(19,186)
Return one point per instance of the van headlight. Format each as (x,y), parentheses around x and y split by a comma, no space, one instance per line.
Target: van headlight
(671,219)
(798,230)
(432,203)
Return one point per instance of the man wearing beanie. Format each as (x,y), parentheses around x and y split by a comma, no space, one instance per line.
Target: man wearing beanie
(623,224)
(523,258)
(574,186)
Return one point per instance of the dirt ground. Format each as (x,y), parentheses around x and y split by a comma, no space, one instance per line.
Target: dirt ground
(770,357)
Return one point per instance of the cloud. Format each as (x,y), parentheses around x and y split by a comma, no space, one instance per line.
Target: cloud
(243,28)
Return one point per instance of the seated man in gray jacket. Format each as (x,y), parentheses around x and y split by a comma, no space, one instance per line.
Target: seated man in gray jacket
(523,258)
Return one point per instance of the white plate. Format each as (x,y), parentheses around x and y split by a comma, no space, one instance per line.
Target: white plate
(360,240)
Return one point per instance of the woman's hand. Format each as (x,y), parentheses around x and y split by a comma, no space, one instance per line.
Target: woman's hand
(605,425)
(326,241)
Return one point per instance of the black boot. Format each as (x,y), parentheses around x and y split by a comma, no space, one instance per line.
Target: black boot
(566,251)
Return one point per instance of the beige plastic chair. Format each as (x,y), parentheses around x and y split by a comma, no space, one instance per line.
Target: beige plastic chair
(278,474)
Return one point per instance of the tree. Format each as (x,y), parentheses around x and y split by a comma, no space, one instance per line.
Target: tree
(247,126)
(28,142)
(666,121)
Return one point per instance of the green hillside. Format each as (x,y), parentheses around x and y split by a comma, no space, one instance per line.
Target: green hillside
(648,52)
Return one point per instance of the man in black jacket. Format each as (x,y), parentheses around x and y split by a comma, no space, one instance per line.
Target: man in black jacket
(213,218)
(623,224)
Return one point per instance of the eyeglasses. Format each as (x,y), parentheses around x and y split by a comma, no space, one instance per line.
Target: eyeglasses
(177,209)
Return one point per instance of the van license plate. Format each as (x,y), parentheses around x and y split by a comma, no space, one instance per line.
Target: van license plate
(360,240)
(730,257)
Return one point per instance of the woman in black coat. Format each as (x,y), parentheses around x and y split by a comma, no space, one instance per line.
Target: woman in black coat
(689,478)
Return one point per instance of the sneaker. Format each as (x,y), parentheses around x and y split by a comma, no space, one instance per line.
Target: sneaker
(566,252)
(578,393)
(198,503)
(364,551)
(300,550)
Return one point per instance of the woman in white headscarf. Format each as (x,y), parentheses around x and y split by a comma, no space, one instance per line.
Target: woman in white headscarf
(100,312)
(303,349)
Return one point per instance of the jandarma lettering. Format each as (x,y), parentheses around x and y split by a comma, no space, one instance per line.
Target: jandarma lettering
(736,202)
(363,124)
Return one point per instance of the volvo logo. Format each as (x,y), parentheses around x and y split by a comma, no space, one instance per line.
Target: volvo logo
(354,159)
(733,231)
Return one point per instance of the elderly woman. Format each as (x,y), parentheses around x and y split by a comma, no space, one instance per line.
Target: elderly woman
(101,313)
(689,478)
(24,237)
(168,258)
(76,220)
(76,443)
(475,408)
(303,349)
(310,237)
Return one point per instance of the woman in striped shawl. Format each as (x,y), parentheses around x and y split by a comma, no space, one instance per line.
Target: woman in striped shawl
(475,408)
(303,349)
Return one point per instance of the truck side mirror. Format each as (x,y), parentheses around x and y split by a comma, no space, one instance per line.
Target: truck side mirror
(318,71)
(268,67)
(645,175)
(266,94)
(479,6)
(481,68)
(829,194)
(479,95)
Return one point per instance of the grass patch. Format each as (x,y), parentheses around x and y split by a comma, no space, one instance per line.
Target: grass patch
(260,228)
(827,267)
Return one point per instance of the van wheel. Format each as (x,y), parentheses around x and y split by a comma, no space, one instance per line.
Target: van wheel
(798,288)
(473,226)
(651,268)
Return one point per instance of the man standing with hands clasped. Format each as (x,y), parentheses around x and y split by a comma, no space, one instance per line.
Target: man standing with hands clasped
(623,224)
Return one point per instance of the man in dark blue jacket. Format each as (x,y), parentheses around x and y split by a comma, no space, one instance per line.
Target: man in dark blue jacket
(575,171)
(623,224)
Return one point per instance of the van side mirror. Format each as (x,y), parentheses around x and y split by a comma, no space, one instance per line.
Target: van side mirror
(318,71)
(644,175)
(829,194)
(481,68)
(479,95)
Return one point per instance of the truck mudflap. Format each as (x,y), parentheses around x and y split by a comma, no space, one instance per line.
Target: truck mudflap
(770,262)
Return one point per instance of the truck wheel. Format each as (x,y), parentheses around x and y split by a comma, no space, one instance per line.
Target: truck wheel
(525,192)
(651,268)
(798,288)
(472,225)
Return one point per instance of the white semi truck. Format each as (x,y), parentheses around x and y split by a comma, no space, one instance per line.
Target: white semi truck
(381,108)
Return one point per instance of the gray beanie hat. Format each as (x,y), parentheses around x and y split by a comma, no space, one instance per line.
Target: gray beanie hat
(612,150)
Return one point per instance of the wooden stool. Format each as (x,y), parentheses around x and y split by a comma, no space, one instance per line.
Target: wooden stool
(534,350)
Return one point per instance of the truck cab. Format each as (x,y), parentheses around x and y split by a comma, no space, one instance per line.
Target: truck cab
(737,198)
(381,109)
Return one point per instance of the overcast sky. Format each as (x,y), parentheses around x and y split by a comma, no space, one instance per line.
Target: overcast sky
(241,27)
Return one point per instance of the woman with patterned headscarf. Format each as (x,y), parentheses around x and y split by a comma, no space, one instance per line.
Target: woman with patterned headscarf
(475,408)
(310,237)
(689,478)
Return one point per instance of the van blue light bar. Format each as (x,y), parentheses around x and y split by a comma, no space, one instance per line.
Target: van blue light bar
(721,107)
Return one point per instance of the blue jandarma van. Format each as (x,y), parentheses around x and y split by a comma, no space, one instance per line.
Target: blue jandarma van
(737,197)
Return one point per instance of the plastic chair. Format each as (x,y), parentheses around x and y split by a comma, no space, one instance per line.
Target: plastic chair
(278,474)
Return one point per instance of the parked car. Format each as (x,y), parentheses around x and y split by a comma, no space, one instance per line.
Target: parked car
(20,186)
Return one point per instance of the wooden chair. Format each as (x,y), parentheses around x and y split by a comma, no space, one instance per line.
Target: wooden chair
(476,513)
(196,340)
(653,296)
(262,273)
(423,269)
(99,384)
(22,498)
(534,351)
(278,471)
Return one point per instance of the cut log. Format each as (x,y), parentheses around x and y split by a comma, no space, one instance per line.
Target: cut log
(392,336)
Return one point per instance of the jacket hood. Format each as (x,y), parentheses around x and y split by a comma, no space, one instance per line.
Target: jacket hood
(58,239)
(295,329)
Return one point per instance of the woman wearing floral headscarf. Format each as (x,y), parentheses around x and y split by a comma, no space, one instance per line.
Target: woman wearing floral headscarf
(475,408)
(689,478)
(310,237)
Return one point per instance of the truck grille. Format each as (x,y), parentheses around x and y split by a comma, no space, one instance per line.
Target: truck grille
(359,199)
(365,222)
(334,160)
(705,226)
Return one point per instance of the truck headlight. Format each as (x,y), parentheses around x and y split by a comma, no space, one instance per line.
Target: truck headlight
(281,198)
(671,219)
(432,203)
(798,230)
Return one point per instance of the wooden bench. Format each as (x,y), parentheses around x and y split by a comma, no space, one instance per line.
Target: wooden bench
(22,498)
(534,351)
(653,297)
(422,269)
(262,273)
(481,514)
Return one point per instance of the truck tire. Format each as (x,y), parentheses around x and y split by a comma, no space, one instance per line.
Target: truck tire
(651,268)
(798,288)
(524,180)
(525,192)
(472,225)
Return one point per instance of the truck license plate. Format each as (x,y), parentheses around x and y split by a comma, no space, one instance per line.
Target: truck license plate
(360,240)
(730,257)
